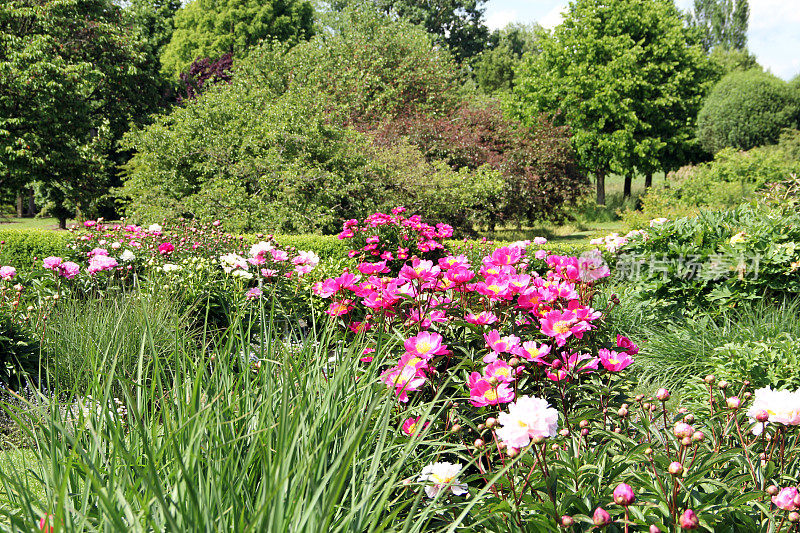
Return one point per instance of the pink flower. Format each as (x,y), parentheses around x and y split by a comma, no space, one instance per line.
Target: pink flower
(100,263)
(483,318)
(592,267)
(411,426)
(403,379)
(449,262)
(528,418)
(366,357)
(69,270)
(614,361)
(623,495)
(626,344)
(89,224)
(601,518)
(785,499)
(562,325)
(306,258)
(482,393)
(339,308)
(539,241)
(426,345)
(504,256)
(533,352)
(253,294)
(501,370)
(166,248)
(419,269)
(7,273)
(52,262)
(370,269)
(97,251)
(46,523)
(689,520)
(498,345)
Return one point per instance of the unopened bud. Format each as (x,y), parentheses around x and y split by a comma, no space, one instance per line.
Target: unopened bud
(772,490)
(622,412)
(686,441)
(733,402)
(584,432)
(491,422)
(555,365)
(493,381)
(794,517)
(564,432)
(762,416)
(654,529)
(456,428)
(512,452)
(710,379)
(723,384)
(689,419)
(479,443)
(584,423)
(513,362)
(662,394)
(675,468)
(698,436)
(567,521)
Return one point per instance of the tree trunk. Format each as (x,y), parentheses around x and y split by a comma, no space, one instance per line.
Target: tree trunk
(648,180)
(19,206)
(600,176)
(31,203)
(62,223)
(626,192)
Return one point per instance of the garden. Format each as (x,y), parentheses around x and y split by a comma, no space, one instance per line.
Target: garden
(372,272)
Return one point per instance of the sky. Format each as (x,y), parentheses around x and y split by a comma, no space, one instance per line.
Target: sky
(773,35)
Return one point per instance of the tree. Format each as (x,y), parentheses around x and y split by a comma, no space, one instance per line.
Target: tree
(745,110)
(458,24)
(495,67)
(210,28)
(625,77)
(70,80)
(721,23)
(155,21)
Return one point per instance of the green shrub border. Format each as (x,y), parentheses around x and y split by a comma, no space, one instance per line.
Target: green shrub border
(20,248)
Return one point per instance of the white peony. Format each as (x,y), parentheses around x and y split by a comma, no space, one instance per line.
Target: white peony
(127,255)
(154,228)
(782,406)
(527,418)
(439,475)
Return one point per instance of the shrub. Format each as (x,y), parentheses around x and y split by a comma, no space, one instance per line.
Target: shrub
(21,248)
(745,110)
(716,259)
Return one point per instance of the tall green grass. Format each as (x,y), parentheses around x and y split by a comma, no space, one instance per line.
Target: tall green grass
(303,440)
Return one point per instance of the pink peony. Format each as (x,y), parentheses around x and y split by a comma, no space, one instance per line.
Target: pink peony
(7,273)
(626,344)
(166,248)
(99,263)
(69,270)
(785,499)
(689,520)
(426,345)
(253,294)
(623,495)
(614,361)
(483,393)
(52,262)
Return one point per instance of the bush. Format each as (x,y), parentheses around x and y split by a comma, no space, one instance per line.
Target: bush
(20,248)
(716,259)
(723,183)
(745,110)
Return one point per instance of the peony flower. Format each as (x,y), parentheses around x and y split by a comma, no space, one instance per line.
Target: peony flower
(154,228)
(689,520)
(626,344)
(539,241)
(253,294)
(169,267)
(166,248)
(69,270)
(411,426)
(440,476)
(98,263)
(658,221)
(533,352)
(592,267)
(623,495)
(738,238)
(426,345)
(782,406)
(483,393)
(52,262)
(127,256)
(601,518)
(614,361)
(527,418)
(309,259)
(785,499)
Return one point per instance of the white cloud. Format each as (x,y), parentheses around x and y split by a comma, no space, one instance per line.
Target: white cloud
(553,17)
(500,19)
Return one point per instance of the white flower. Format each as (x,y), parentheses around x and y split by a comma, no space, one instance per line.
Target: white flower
(154,228)
(115,246)
(259,249)
(244,274)
(658,221)
(169,267)
(127,255)
(527,418)
(440,475)
(232,261)
(306,258)
(782,406)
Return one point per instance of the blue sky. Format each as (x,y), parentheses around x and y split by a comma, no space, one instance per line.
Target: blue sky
(774,34)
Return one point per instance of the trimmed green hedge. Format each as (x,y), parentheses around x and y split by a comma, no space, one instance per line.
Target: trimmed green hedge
(19,248)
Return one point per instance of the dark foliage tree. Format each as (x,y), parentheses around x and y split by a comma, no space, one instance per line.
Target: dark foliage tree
(203,73)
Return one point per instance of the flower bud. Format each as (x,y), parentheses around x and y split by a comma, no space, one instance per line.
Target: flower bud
(733,402)
(456,428)
(710,379)
(601,518)
(662,394)
(747,395)
(513,362)
(479,443)
(623,495)
(689,419)
(622,412)
(567,521)
(675,468)
(564,432)
(555,365)
(687,441)
(584,432)
(794,517)
(584,424)
(654,529)
(617,429)
(501,446)
(682,429)
(555,447)
(682,410)
(493,381)
(762,416)
(698,436)
(491,422)
(538,439)
(723,384)
(689,520)
(639,397)
(481,427)
(512,452)
(648,451)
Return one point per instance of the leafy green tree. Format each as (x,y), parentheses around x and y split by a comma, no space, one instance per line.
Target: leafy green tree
(155,20)
(721,23)
(745,110)
(730,60)
(455,23)
(495,67)
(71,78)
(210,28)
(627,80)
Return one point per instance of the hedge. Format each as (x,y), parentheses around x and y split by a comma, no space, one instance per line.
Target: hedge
(20,248)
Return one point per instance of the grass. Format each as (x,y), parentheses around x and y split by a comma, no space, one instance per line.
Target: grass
(30,223)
